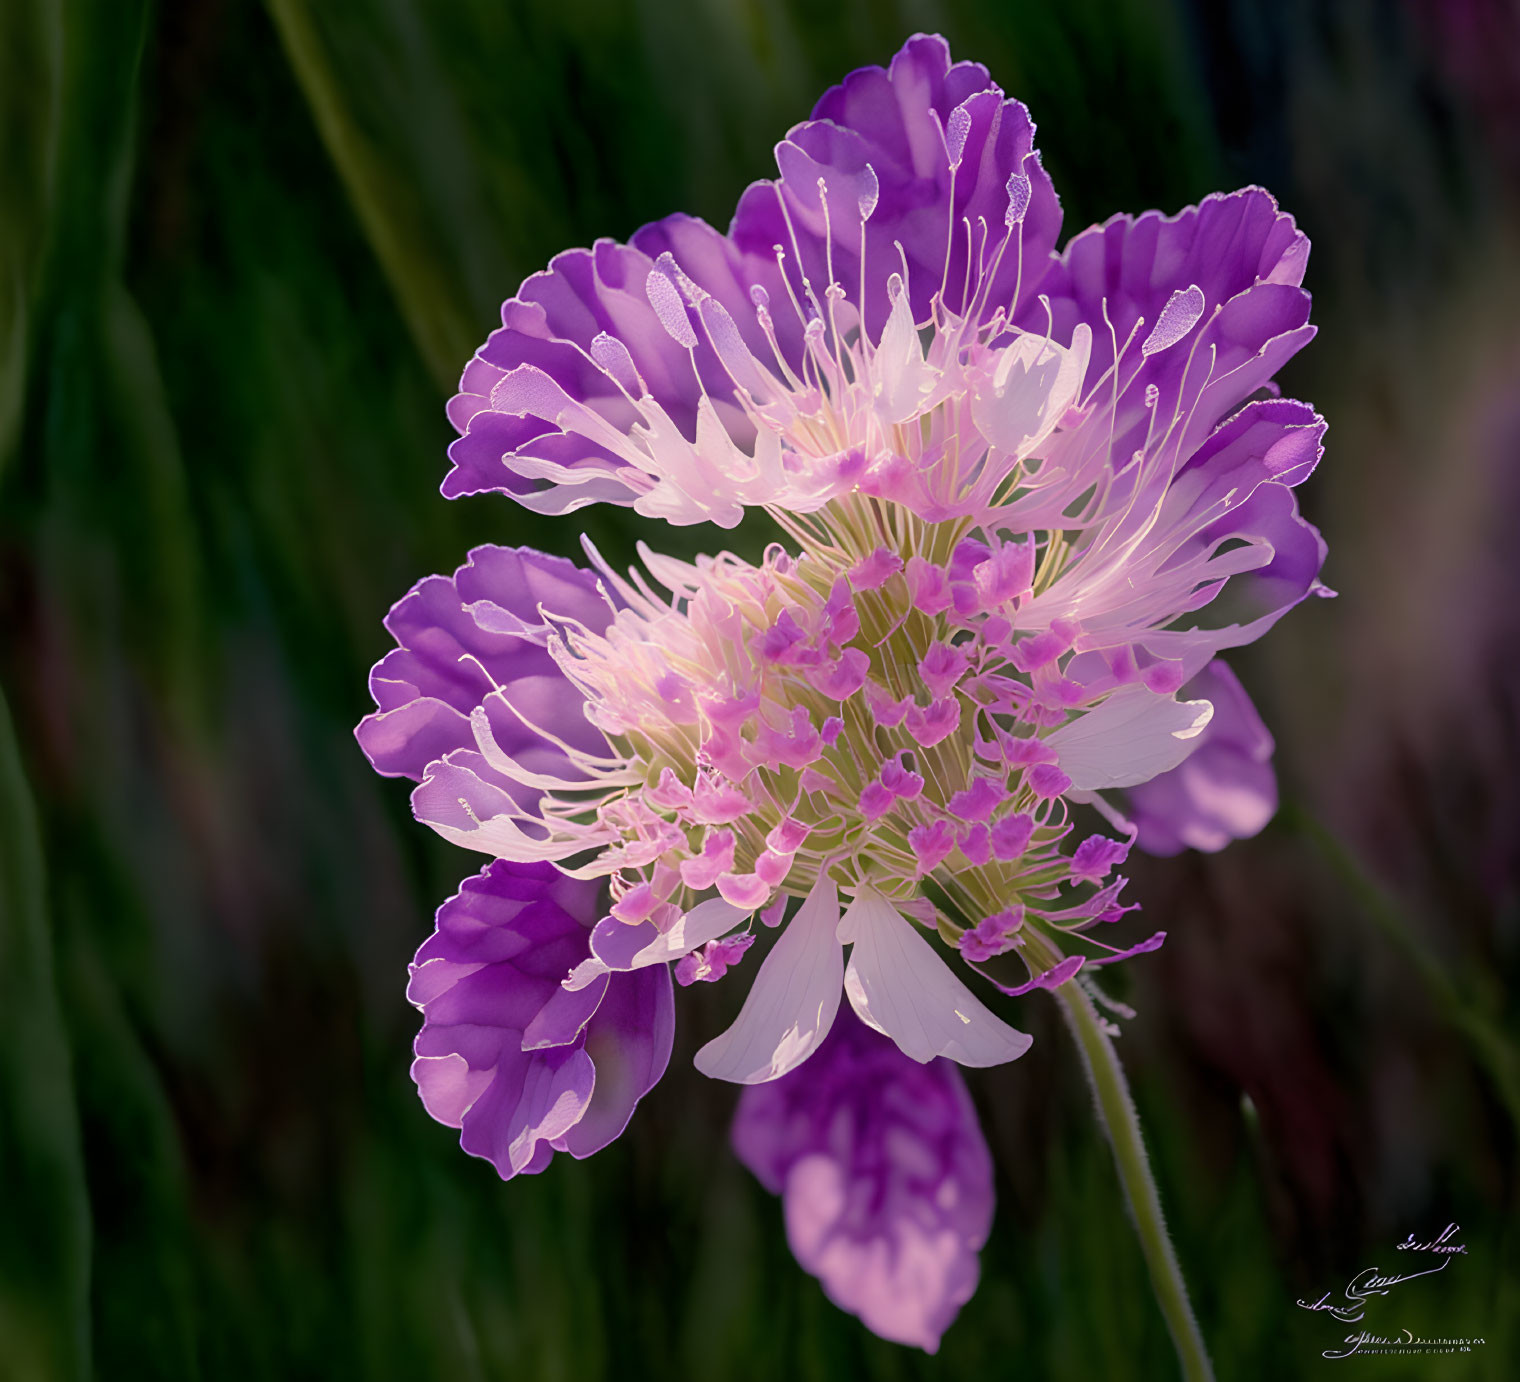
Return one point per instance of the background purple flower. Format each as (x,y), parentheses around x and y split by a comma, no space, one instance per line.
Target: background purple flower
(523,1067)
(885,1178)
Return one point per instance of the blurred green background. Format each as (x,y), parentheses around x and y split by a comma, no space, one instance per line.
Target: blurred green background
(245,250)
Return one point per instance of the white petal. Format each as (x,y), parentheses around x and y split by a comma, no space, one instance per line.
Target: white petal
(566,496)
(902,378)
(512,768)
(901,987)
(705,922)
(1131,737)
(1034,383)
(467,810)
(791,1004)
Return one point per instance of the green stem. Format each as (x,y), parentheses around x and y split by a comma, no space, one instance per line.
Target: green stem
(1117,1112)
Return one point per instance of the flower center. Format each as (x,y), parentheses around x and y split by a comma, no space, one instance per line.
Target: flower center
(873,709)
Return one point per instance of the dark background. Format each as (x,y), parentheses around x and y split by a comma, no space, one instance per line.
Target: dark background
(245,251)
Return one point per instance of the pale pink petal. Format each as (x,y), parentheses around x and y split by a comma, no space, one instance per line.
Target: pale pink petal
(792,1002)
(901,987)
(705,922)
(1129,738)
(1032,385)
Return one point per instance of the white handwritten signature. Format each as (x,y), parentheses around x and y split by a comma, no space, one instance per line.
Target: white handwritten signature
(1371,1283)
(1362,1285)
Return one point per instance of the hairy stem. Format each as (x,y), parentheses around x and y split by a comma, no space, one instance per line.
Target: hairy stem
(1117,1112)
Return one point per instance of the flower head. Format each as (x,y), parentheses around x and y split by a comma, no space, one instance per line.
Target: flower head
(944,783)
(1027,497)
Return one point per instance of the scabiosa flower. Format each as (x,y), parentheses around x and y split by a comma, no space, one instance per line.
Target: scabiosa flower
(1028,498)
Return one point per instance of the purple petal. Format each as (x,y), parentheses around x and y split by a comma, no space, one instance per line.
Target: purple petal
(564,1015)
(506,1054)
(885,1175)
(629,1040)
(1245,258)
(895,119)
(552,326)
(449,1086)
(532,1099)
(461,637)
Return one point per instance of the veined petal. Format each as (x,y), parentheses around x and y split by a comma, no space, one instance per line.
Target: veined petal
(1129,738)
(898,985)
(792,1002)
(885,1176)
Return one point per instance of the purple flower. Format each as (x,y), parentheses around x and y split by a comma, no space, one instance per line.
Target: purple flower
(1224,790)
(520,1065)
(1016,484)
(885,1179)
(1069,503)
